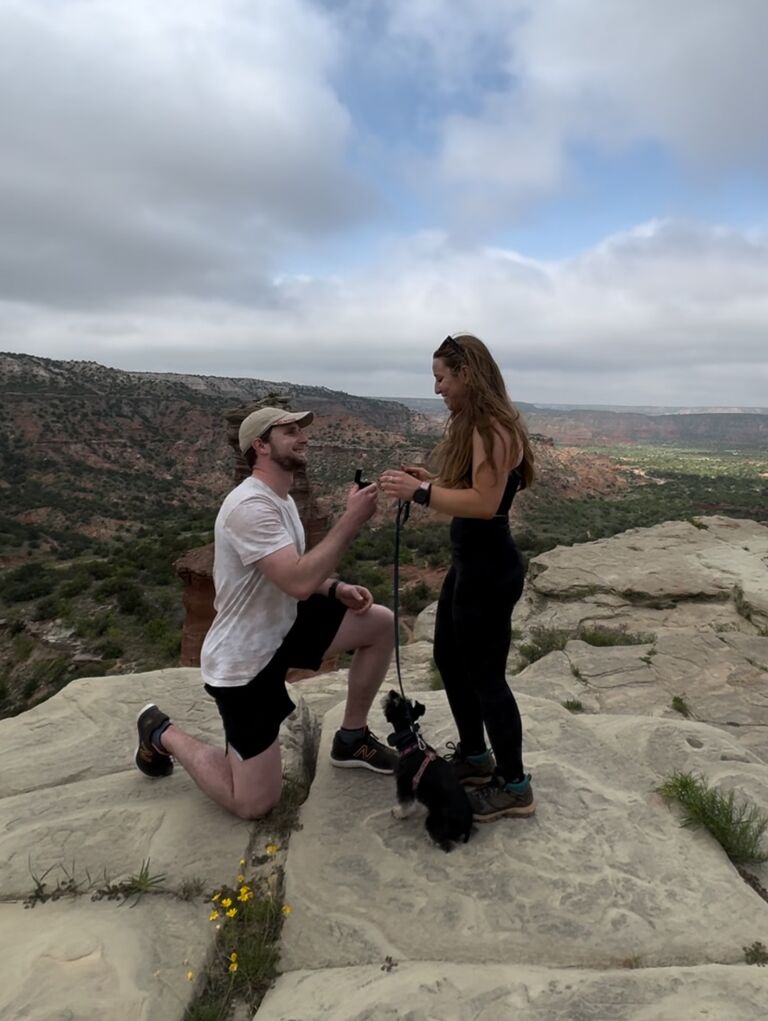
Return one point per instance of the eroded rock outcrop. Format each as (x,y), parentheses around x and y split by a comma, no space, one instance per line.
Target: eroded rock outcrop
(600,908)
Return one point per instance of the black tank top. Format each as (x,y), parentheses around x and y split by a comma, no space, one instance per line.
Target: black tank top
(512,486)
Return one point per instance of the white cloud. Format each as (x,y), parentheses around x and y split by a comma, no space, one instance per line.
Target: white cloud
(165,148)
(667,313)
(689,76)
(164,164)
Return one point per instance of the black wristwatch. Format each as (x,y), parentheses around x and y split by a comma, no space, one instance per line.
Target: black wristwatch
(423,494)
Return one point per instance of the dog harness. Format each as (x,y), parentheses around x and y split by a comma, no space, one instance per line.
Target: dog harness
(429,756)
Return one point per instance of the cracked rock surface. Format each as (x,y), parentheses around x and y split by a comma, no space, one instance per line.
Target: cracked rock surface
(602,907)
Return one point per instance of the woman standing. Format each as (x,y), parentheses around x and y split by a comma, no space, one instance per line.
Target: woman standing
(484,458)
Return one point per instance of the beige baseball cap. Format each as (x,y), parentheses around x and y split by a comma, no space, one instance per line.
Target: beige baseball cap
(256,424)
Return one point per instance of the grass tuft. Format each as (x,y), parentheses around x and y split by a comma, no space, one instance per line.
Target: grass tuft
(756,953)
(435,678)
(681,706)
(573,705)
(542,641)
(737,827)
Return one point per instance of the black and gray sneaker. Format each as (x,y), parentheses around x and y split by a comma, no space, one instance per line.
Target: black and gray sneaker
(470,770)
(147,758)
(497,799)
(367,752)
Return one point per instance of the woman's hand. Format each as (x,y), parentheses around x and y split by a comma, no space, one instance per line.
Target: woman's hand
(399,484)
(417,472)
(354,597)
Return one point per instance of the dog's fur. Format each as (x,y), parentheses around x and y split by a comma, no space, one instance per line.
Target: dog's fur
(449,815)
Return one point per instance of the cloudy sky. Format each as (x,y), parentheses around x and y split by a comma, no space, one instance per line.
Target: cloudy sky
(320,190)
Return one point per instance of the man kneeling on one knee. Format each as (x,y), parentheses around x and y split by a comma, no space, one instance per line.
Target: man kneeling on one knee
(276,608)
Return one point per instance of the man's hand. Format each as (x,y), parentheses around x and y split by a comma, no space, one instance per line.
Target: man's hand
(361,504)
(354,597)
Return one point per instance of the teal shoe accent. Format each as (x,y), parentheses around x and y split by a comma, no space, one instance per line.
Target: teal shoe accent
(520,786)
(479,760)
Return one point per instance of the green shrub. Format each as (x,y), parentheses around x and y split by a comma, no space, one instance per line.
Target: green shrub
(541,642)
(75,585)
(30,581)
(603,637)
(130,600)
(737,827)
(110,649)
(414,598)
(47,609)
(22,648)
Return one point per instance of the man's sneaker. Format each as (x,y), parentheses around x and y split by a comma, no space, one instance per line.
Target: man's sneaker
(470,770)
(367,752)
(497,799)
(148,759)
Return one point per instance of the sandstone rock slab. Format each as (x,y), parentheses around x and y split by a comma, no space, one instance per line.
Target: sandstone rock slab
(603,874)
(429,990)
(92,961)
(720,678)
(671,575)
(72,804)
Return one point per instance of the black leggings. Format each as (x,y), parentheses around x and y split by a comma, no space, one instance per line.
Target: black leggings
(473,632)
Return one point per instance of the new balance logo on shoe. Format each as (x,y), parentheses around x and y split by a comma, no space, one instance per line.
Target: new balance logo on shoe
(364,752)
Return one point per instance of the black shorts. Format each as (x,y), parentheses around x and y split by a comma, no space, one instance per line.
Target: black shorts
(252,712)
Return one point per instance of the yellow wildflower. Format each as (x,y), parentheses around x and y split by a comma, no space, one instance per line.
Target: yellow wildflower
(213,916)
(227,902)
(215,897)
(232,912)
(241,879)
(190,976)
(233,956)
(233,966)
(286,909)
(273,848)
(242,861)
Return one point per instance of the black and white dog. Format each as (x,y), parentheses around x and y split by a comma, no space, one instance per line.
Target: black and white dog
(422,774)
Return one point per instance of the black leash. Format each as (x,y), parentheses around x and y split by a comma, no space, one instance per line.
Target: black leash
(403,512)
(402,515)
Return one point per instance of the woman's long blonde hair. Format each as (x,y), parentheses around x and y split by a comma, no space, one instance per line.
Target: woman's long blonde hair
(487,409)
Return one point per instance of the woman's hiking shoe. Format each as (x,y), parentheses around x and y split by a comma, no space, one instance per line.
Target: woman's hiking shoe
(470,770)
(498,799)
(147,758)
(365,752)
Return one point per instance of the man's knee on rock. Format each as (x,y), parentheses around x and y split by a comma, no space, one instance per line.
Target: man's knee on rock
(256,807)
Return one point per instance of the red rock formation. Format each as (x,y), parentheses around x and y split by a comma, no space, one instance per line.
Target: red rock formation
(195,568)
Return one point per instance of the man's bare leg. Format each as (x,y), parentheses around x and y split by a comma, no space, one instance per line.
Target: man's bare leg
(248,789)
(372,637)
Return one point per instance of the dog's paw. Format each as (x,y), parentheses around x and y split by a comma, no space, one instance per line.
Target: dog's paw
(402,811)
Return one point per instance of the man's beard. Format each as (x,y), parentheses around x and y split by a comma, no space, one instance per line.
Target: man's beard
(289,462)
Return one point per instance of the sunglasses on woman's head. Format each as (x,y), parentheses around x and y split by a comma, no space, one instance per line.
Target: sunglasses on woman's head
(453,344)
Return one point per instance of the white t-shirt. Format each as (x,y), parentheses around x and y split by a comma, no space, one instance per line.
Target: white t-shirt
(253,615)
